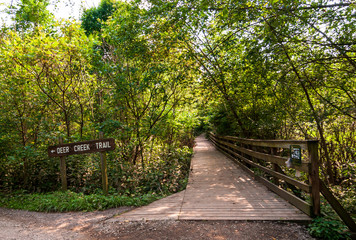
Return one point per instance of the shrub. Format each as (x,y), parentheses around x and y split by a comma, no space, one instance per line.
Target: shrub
(71,201)
(327,229)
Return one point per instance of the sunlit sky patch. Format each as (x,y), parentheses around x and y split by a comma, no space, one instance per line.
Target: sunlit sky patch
(66,9)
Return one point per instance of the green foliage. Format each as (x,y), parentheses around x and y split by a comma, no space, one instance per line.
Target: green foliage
(164,174)
(93,18)
(346,197)
(46,89)
(275,70)
(59,82)
(155,75)
(71,201)
(330,225)
(32,13)
(327,229)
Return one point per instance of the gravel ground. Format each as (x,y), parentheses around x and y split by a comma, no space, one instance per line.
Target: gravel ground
(17,224)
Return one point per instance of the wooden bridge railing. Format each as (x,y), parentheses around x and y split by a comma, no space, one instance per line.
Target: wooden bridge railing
(266,157)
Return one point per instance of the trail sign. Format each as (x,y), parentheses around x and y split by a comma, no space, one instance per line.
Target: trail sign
(101,145)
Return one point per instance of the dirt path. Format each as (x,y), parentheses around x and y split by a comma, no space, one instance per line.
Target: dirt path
(17,224)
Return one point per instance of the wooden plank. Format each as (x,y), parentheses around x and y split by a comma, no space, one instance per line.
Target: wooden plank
(240,210)
(302,205)
(291,186)
(213,139)
(240,214)
(302,219)
(248,205)
(267,157)
(281,175)
(346,218)
(268,143)
(218,190)
(303,186)
(273,159)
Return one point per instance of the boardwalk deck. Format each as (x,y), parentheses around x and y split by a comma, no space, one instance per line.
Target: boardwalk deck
(218,190)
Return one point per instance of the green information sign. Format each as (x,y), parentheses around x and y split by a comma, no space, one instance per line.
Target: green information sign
(296,154)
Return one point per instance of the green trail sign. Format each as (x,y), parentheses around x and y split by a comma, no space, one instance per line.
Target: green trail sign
(296,154)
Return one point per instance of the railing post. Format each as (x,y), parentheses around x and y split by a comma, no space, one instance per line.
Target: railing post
(275,167)
(314,176)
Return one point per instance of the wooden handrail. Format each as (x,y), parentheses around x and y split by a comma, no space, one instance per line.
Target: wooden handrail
(267,157)
(314,187)
(301,185)
(228,145)
(302,205)
(270,143)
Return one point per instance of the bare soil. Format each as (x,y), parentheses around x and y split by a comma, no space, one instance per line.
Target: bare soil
(18,224)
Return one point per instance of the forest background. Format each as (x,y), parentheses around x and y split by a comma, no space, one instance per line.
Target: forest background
(153,74)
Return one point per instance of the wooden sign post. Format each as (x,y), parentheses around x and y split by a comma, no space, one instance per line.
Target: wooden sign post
(102,145)
(63,168)
(104,168)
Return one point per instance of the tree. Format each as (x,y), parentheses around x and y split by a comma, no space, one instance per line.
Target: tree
(31,14)
(93,18)
(47,88)
(273,64)
(140,65)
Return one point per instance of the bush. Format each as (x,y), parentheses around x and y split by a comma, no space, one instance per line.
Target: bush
(167,173)
(327,229)
(71,201)
(164,173)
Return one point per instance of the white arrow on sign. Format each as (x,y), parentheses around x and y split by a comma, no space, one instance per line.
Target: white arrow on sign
(53,151)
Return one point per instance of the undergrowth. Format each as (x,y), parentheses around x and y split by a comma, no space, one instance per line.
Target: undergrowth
(71,201)
(330,226)
(138,184)
(328,229)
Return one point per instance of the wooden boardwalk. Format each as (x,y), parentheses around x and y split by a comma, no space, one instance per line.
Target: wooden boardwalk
(218,190)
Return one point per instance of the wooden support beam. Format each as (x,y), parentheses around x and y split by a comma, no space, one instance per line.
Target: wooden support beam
(335,204)
(314,176)
(275,166)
